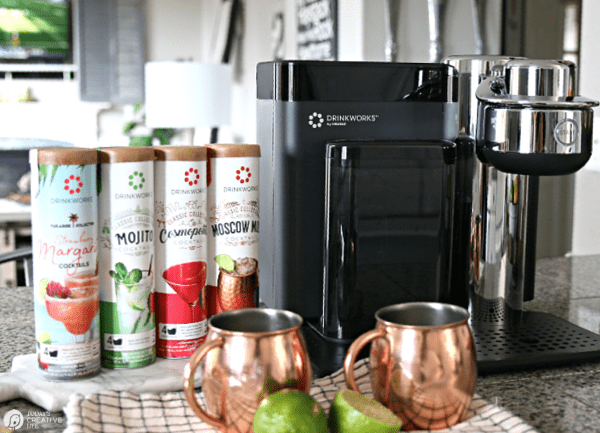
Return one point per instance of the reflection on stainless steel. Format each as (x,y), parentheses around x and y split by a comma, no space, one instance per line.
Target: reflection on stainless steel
(479,8)
(530,131)
(422,362)
(437,13)
(523,118)
(534,109)
(498,270)
(541,78)
(500,208)
(471,70)
(531,120)
(248,354)
(392,9)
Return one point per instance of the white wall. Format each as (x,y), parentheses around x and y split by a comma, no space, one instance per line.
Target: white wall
(173,29)
(188,29)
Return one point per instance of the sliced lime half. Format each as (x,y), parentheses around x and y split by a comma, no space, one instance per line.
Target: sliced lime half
(225,262)
(353,412)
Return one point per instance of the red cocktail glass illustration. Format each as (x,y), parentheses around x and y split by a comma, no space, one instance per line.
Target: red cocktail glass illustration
(188,280)
(75,304)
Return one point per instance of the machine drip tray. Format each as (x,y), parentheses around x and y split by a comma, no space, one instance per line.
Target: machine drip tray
(540,340)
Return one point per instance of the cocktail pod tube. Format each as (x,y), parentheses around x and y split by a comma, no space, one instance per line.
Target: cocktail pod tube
(233,227)
(126,252)
(64,223)
(181,249)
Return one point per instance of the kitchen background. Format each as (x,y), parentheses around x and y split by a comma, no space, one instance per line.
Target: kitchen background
(87,101)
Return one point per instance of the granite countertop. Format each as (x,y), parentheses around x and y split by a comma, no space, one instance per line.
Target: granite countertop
(558,399)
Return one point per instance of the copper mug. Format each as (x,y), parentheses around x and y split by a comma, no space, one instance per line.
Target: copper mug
(422,363)
(248,354)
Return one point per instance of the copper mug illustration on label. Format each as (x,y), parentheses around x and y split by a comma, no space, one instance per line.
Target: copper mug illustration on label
(422,363)
(237,288)
(248,354)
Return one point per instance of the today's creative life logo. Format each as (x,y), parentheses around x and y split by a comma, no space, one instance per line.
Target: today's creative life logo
(13,419)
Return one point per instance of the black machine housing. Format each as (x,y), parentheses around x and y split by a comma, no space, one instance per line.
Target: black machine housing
(360,194)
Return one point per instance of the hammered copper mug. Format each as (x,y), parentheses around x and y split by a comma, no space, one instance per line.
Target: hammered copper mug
(248,354)
(422,363)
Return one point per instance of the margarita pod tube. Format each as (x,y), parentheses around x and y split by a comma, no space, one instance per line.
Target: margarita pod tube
(64,223)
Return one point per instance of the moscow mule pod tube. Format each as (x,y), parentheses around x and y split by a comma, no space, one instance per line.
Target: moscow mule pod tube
(126,253)
(181,248)
(233,226)
(64,223)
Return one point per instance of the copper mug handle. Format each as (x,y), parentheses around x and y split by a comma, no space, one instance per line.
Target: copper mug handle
(188,382)
(353,351)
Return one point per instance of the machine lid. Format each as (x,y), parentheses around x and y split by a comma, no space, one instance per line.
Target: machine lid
(535,84)
(356,81)
(541,78)
(494,91)
(479,65)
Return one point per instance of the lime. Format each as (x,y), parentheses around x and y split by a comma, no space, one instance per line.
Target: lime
(290,410)
(44,338)
(225,262)
(41,293)
(137,305)
(354,412)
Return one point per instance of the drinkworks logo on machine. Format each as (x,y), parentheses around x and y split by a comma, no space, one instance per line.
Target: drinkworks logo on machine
(318,120)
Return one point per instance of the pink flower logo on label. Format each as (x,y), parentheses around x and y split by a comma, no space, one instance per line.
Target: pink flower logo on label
(243,174)
(73,184)
(192,177)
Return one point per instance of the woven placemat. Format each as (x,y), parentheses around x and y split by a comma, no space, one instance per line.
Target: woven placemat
(121,411)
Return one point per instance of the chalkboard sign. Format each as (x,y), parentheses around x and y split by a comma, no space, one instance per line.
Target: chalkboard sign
(317,29)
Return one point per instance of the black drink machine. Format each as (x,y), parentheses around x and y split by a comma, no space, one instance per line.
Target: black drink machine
(384,183)
(358,194)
